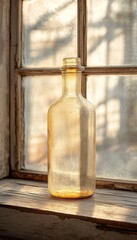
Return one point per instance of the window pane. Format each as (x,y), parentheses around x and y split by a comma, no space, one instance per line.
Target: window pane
(39,92)
(115,99)
(49,32)
(112,32)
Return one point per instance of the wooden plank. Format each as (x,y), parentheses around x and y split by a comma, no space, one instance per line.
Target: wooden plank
(100,182)
(110,207)
(82,32)
(15,62)
(82,40)
(4,87)
(83,86)
(19,121)
(24,174)
(117,184)
(106,70)
(38,71)
(111,70)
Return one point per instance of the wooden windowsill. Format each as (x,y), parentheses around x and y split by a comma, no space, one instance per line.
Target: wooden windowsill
(107,208)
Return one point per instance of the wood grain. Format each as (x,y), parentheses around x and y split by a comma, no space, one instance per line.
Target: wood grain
(38,71)
(15,62)
(114,208)
(111,70)
(24,174)
(100,182)
(106,70)
(82,32)
(117,184)
(4,87)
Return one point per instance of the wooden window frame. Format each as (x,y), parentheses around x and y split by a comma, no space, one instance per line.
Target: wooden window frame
(16,107)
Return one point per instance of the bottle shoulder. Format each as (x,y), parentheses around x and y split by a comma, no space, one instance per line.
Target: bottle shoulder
(65,103)
(87,103)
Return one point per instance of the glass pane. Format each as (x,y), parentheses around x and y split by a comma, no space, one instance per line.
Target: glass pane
(115,99)
(49,32)
(112,32)
(39,92)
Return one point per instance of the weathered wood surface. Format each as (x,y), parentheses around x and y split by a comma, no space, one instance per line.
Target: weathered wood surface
(4,87)
(15,62)
(110,70)
(27,211)
(111,207)
(38,71)
(26,174)
(100,182)
(116,184)
(82,31)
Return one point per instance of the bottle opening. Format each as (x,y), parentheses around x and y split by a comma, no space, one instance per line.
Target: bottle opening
(73,63)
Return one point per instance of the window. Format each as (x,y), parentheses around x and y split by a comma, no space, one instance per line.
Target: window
(102,84)
(44,33)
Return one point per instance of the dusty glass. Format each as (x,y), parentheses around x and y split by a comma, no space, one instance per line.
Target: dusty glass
(112,32)
(38,93)
(49,32)
(115,100)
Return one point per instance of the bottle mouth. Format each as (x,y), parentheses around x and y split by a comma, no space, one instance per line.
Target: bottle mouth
(72,63)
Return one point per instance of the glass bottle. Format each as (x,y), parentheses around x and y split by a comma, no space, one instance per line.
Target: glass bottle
(71,138)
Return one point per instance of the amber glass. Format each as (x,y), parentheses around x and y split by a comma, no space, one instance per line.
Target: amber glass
(71,138)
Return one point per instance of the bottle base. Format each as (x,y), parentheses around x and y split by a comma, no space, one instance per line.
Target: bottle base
(72,194)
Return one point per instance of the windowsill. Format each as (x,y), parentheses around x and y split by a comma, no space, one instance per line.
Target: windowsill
(107,208)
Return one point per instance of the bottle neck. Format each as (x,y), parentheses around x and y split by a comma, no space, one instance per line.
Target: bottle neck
(71,84)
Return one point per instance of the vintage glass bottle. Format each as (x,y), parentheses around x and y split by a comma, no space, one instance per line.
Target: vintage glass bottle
(71,138)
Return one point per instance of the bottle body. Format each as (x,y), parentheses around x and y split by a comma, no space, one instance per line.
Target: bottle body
(71,147)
